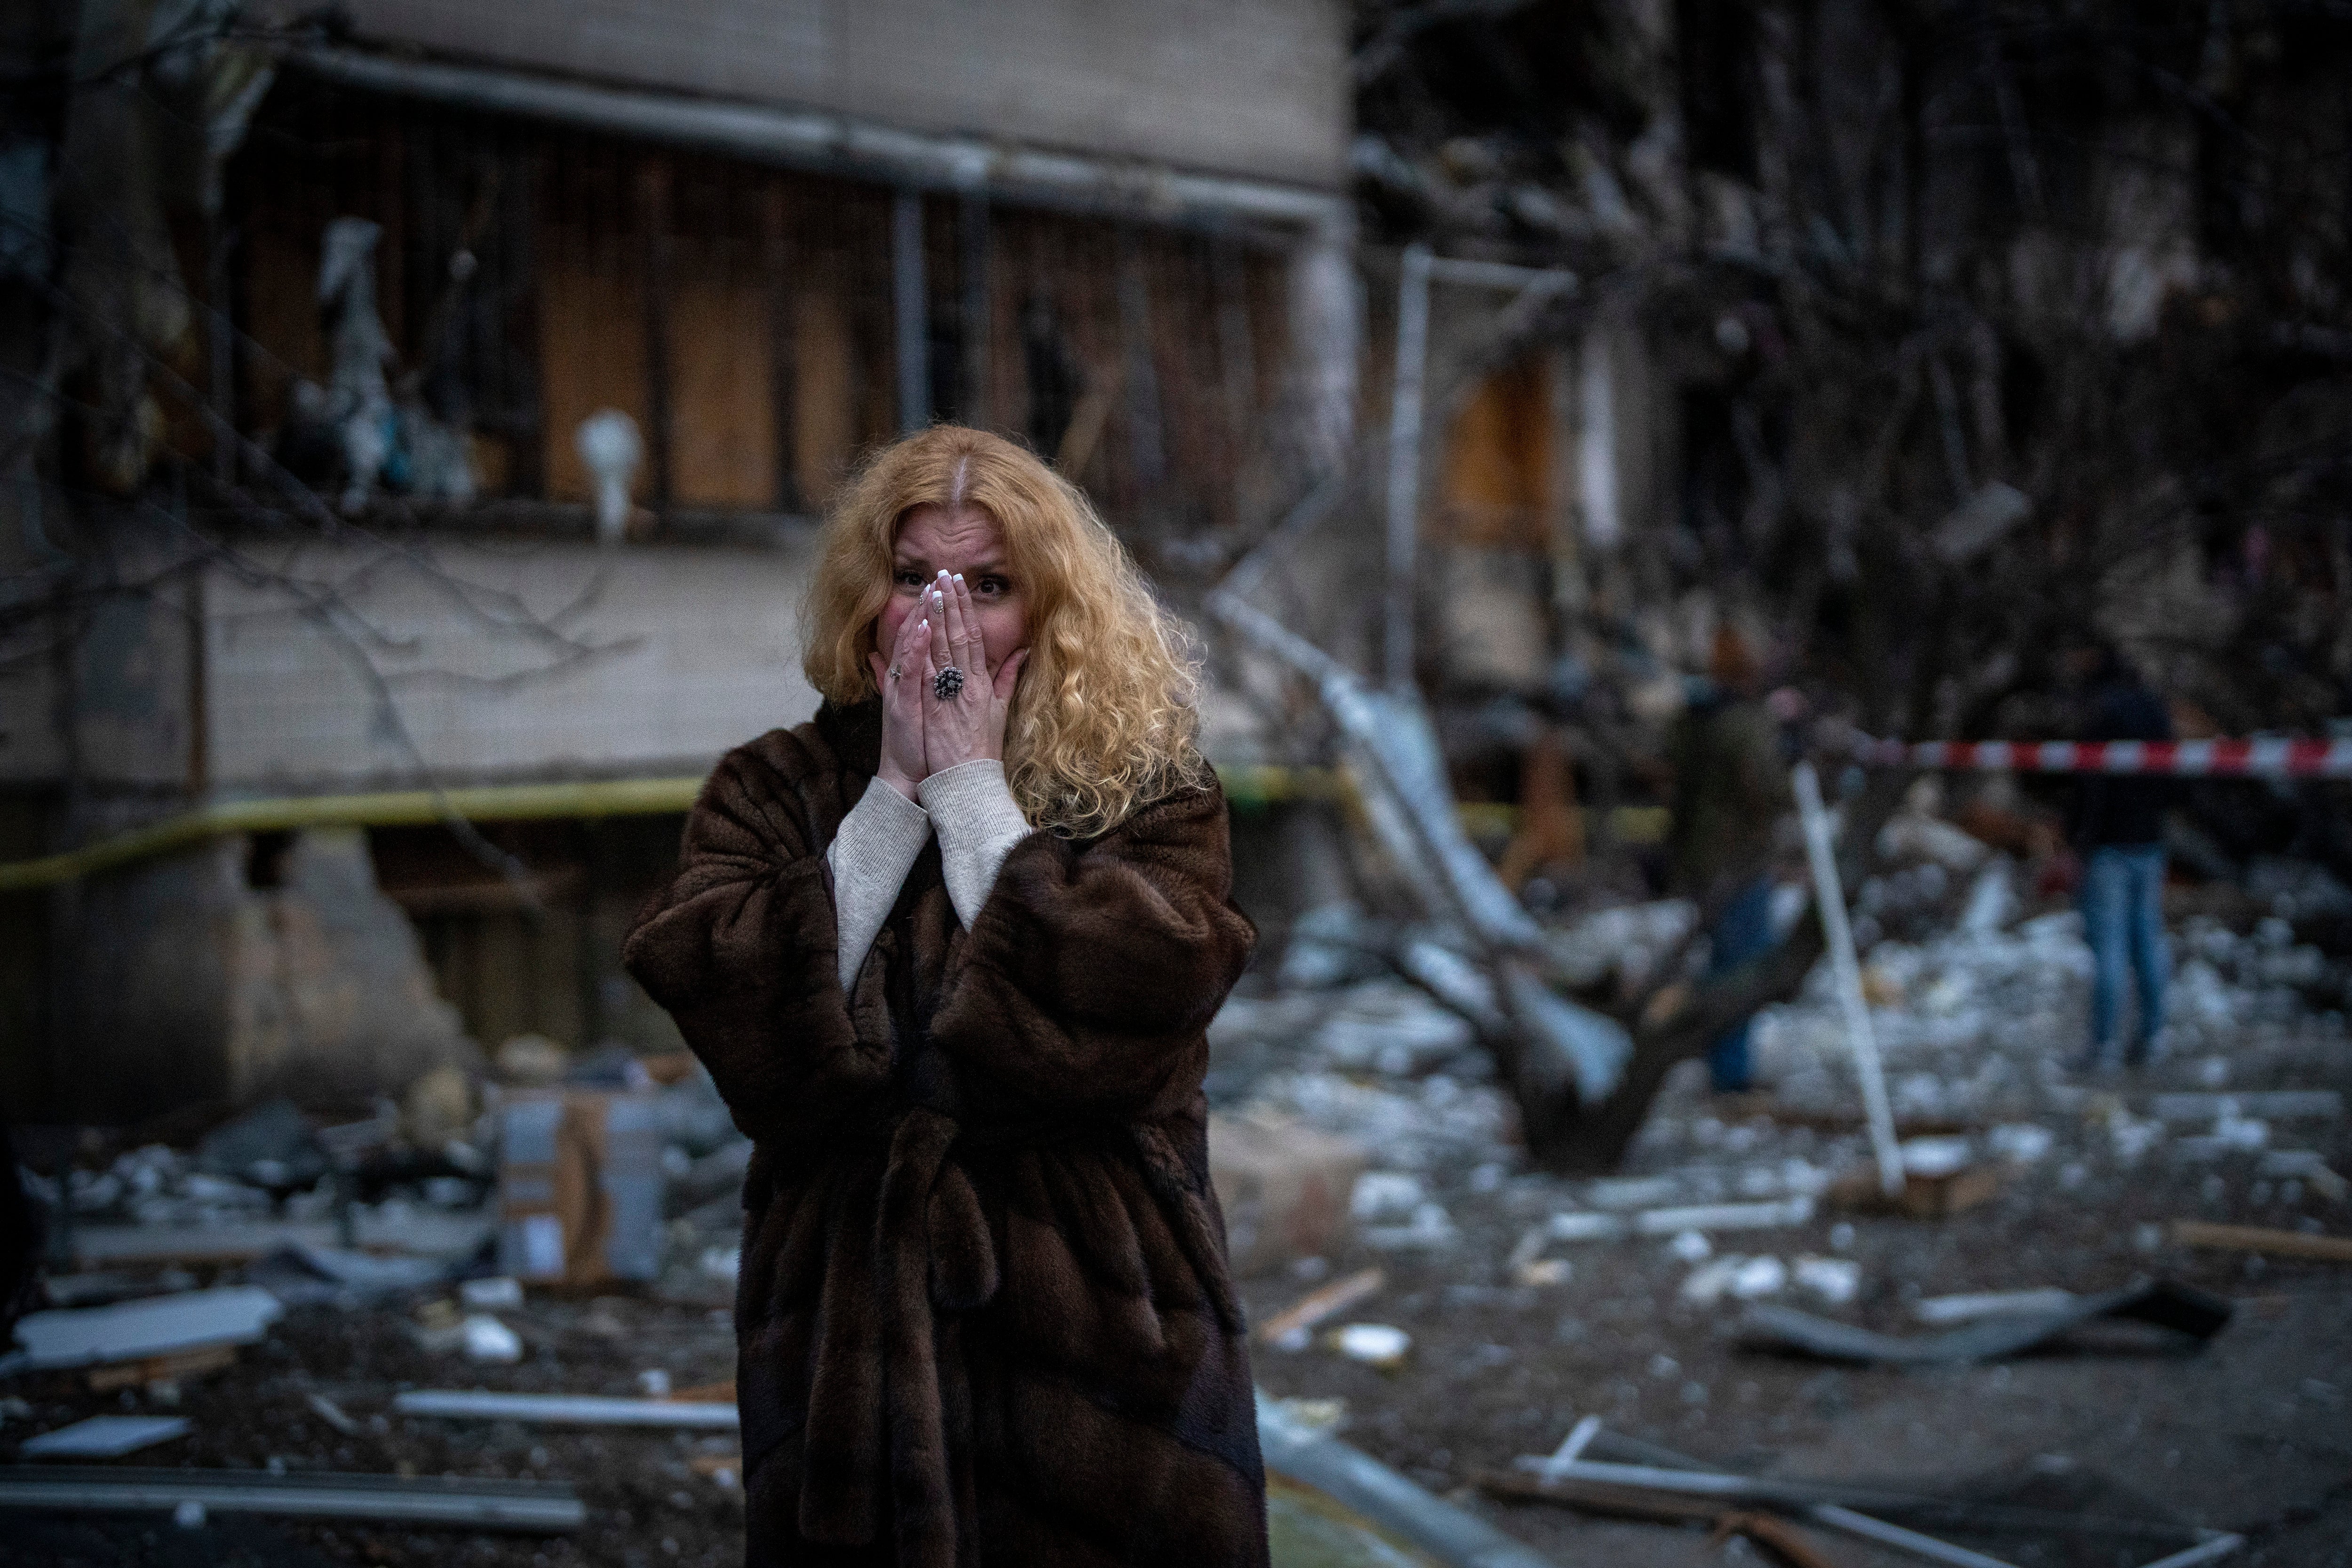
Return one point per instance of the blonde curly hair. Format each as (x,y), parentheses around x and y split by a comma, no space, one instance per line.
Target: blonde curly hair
(1102,719)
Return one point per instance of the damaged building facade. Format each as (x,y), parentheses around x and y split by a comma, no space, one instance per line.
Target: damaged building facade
(509,355)
(1922,343)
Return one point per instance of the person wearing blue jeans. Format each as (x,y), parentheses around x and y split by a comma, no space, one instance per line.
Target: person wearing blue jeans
(1744,931)
(1731,784)
(2123,916)
(2118,830)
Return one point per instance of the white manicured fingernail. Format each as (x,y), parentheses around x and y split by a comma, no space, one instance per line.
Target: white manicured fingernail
(958,579)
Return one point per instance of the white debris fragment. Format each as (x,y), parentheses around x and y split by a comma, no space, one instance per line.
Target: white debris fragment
(1704,1285)
(1385,1196)
(484,1338)
(1759,1277)
(1374,1344)
(1393,1027)
(1632,1192)
(1945,1311)
(1834,1281)
(1429,1228)
(1931,1158)
(1571,1224)
(1725,1216)
(2020,1142)
(105,1437)
(498,1292)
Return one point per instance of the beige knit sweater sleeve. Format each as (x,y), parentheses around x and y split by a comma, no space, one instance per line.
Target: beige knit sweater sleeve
(870,858)
(979,823)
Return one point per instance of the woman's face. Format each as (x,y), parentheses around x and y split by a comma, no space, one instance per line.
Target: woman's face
(967,543)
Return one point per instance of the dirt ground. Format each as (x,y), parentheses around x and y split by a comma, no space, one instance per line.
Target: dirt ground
(2251,1433)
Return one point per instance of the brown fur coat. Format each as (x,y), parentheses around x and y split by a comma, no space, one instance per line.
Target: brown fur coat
(984,1316)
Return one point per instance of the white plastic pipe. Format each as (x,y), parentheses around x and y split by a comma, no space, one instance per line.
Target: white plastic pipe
(1829,897)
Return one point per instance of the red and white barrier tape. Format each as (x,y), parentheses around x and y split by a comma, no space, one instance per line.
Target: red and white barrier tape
(2183,759)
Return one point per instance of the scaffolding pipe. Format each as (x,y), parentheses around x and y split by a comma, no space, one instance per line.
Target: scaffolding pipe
(841,145)
(1407,415)
(910,311)
(1404,463)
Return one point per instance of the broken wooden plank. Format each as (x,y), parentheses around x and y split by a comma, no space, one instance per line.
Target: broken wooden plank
(162,1368)
(566,1409)
(1778,1538)
(2262,1239)
(1313,1308)
(530,1507)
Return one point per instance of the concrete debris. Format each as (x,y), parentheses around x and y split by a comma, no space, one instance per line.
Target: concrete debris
(1332,945)
(1312,1456)
(1834,1281)
(498,1291)
(1393,1028)
(1741,1279)
(104,1438)
(1626,942)
(2269,1105)
(191,1496)
(567,1409)
(393,1226)
(1943,1312)
(1712,1218)
(271,1147)
(486,1339)
(2193,1314)
(304,1274)
(134,1331)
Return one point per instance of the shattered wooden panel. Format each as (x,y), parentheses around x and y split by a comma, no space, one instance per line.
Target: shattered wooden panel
(1497,483)
(592,353)
(280,312)
(723,427)
(824,396)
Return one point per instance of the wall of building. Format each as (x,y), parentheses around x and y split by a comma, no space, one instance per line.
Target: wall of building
(1247,87)
(502,661)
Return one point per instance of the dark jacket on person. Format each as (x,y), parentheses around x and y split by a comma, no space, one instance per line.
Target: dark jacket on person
(984,1315)
(1730,788)
(2122,808)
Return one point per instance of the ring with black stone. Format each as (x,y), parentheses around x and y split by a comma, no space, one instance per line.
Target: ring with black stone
(947,683)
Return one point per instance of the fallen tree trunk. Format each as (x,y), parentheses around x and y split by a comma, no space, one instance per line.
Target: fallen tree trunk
(1582,1079)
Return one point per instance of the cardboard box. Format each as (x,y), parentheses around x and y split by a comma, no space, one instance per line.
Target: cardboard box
(1283,1188)
(580,1187)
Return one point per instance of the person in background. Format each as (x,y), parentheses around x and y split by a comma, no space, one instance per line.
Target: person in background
(1731,787)
(2117,828)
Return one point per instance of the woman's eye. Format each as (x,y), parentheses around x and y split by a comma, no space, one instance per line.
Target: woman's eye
(990,586)
(908,579)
